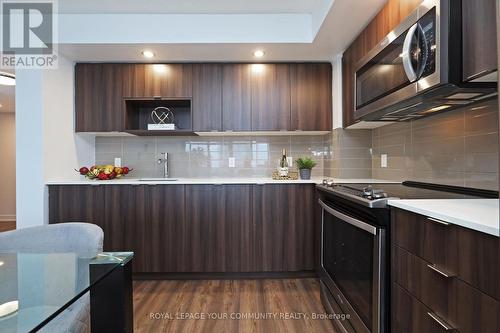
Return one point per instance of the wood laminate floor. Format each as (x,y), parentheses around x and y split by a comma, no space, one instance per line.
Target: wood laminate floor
(7,225)
(199,306)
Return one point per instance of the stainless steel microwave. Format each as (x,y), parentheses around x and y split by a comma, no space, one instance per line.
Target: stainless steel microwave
(417,69)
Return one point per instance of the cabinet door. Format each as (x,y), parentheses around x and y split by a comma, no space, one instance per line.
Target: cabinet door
(479,38)
(99,106)
(218,228)
(127,223)
(283,221)
(164,243)
(207,97)
(159,80)
(76,203)
(311,97)
(270,97)
(236,97)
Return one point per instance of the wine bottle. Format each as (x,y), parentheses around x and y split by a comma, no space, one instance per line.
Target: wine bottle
(283,170)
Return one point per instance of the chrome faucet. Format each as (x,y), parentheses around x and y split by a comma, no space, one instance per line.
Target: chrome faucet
(164,160)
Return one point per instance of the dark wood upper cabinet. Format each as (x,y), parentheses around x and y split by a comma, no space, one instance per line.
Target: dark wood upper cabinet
(270,97)
(236,97)
(311,97)
(158,80)
(479,38)
(99,106)
(227,97)
(207,97)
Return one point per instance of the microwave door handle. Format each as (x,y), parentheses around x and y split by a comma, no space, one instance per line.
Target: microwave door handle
(424,53)
(406,55)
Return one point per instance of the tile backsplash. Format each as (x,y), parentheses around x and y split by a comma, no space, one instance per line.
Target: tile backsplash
(459,147)
(349,154)
(255,156)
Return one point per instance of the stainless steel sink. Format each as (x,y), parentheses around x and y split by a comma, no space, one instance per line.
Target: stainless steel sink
(158,179)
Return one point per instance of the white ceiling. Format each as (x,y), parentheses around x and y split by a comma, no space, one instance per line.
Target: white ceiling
(341,22)
(288,30)
(187,6)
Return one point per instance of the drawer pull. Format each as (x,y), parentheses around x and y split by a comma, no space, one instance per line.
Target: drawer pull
(438,221)
(440,271)
(440,321)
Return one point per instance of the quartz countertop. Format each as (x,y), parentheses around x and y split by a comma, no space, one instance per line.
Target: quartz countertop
(476,214)
(212,180)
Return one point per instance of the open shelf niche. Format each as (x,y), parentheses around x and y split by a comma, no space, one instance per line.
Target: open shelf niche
(138,116)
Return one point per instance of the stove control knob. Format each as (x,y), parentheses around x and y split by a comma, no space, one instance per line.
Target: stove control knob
(379,194)
(368,191)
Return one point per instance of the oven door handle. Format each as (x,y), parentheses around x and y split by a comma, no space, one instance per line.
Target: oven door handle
(355,222)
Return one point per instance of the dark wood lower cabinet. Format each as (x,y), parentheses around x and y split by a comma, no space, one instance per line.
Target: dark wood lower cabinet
(198,228)
(443,275)
(409,315)
(283,222)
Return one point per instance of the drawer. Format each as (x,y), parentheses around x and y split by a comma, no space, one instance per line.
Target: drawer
(453,301)
(472,256)
(409,315)
(427,285)
(428,239)
(479,260)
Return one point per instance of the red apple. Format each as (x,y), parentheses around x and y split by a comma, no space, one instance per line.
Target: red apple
(83,170)
(125,170)
(103,176)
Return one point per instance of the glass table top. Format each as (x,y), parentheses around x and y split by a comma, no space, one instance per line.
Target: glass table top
(35,287)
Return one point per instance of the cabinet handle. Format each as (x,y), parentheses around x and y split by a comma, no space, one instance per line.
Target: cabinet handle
(438,221)
(440,321)
(440,271)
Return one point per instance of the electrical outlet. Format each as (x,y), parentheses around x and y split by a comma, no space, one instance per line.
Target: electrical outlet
(232,162)
(383,160)
(289,160)
(118,162)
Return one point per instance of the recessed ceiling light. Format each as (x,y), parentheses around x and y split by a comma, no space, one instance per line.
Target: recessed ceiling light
(148,54)
(7,79)
(257,68)
(1,261)
(259,54)
(160,68)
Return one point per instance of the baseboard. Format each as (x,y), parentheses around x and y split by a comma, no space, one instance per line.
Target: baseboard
(225,276)
(7,218)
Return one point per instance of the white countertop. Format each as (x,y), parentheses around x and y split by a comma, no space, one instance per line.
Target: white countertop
(213,180)
(477,214)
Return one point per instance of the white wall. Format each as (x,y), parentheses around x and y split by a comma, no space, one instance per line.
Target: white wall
(337,91)
(47,148)
(63,150)
(7,166)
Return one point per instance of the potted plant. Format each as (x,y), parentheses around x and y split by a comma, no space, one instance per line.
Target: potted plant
(305,164)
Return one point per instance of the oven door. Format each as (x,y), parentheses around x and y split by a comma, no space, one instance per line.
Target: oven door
(353,268)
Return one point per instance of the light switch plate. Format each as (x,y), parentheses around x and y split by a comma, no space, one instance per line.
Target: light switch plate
(289,160)
(118,162)
(232,162)
(383,160)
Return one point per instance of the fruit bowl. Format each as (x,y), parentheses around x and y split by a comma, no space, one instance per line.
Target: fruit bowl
(103,172)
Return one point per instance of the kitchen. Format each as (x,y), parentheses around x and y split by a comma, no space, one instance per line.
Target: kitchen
(353,179)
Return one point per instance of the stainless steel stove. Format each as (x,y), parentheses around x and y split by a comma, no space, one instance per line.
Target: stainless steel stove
(355,238)
(368,196)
